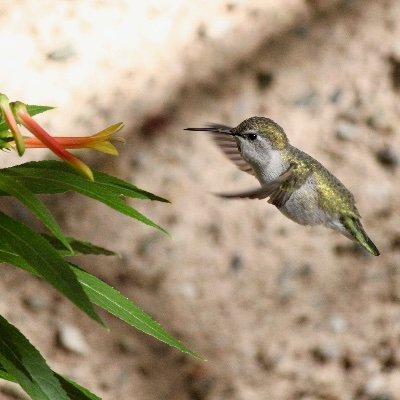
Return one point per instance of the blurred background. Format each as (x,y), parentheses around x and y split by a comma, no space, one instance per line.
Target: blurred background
(280,311)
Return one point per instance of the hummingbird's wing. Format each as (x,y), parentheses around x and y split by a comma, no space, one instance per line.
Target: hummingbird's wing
(278,191)
(228,146)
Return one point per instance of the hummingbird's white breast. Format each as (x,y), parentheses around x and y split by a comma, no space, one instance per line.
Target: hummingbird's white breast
(269,167)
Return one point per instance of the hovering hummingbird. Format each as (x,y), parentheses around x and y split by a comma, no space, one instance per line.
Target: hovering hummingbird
(298,185)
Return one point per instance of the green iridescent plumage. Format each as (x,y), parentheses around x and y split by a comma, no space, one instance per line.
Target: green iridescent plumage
(334,197)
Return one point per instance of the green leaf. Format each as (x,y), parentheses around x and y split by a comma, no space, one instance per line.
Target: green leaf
(8,256)
(24,363)
(115,303)
(76,391)
(57,177)
(14,188)
(73,389)
(35,109)
(45,260)
(5,375)
(108,182)
(32,110)
(110,300)
(79,247)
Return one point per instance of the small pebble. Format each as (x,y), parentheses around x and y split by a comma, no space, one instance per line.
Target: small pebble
(301,31)
(22,213)
(388,157)
(286,294)
(345,130)
(335,97)
(189,291)
(308,99)
(71,339)
(61,54)
(395,72)
(305,271)
(382,122)
(236,263)
(36,303)
(264,80)
(214,232)
(145,245)
(376,389)
(268,359)
(285,285)
(128,345)
(337,324)
(395,242)
(198,383)
(326,352)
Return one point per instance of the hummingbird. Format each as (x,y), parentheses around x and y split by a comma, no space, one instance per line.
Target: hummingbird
(298,185)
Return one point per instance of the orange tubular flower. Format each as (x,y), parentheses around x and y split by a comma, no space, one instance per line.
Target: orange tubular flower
(29,123)
(100,141)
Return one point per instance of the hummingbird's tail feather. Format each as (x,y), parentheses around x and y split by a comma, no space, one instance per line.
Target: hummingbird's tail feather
(357,232)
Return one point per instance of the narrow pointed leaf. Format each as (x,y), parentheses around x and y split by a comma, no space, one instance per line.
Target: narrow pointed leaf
(107,182)
(56,177)
(24,363)
(79,247)
(14,188)
(36,109)
(6,376)
(115,303)
(32,110)
(110,300)
(72,389)
(45,260)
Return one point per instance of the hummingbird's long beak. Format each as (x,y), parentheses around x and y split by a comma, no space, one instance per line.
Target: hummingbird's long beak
(215,128)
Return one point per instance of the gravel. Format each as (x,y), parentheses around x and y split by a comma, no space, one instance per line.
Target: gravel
(71,339)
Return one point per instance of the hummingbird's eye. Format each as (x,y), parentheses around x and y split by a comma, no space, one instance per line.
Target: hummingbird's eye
(252,136)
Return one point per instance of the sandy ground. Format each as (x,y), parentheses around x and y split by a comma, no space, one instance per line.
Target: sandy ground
(280,311)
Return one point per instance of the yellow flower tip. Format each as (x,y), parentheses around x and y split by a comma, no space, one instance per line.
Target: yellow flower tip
(82,168)
(20,147)
(104,147)
(101,141)
(119,126)
(107,133)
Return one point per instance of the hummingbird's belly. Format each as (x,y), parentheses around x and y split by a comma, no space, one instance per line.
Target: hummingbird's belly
(303,207)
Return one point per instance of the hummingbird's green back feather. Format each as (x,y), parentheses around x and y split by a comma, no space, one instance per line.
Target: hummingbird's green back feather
(334,197)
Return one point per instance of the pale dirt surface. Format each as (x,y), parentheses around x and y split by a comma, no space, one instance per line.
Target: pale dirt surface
(280,311)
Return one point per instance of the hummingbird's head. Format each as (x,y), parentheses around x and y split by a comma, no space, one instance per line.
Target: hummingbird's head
(261,132)
(257,136)
(254,137)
